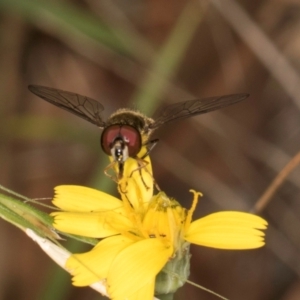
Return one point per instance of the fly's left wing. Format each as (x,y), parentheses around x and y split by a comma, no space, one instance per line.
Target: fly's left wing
(81,106)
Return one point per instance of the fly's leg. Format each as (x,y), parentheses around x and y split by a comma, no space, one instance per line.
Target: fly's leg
(119,175)
(121,191)
(150,145)
(111,167)
(143,164)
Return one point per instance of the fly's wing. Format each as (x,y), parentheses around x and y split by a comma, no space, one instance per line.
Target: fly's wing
(81,106)
(192,108)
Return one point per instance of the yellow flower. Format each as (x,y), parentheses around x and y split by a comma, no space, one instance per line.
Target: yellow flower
(141,235)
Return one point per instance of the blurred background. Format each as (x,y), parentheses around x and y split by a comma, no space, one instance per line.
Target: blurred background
(145,55)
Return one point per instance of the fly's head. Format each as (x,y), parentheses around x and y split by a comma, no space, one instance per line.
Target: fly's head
(121,142)
(125,133)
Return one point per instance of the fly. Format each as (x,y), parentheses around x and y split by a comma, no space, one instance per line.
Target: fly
(126,131)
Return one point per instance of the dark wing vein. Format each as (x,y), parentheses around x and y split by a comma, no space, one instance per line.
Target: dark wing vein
(192,108)
(81,106)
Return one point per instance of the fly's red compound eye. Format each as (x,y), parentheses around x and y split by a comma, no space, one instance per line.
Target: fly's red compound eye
(128,134)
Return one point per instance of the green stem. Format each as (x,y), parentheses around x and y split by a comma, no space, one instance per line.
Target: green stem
(165,297)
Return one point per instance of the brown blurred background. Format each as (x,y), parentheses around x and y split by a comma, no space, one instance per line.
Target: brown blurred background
(146,54)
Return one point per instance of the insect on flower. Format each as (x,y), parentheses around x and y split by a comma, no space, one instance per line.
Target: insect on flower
(126,131)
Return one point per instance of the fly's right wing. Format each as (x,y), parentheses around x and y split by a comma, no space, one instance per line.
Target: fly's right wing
(192,108)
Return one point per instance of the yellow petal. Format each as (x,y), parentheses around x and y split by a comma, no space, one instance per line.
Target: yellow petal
(145,293)
(136,266)
(93,266)
(97,225)
(137,182)
(164,217)
(228,230)
(82,199)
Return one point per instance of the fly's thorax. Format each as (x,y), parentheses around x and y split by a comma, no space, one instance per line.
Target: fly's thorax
(139,121)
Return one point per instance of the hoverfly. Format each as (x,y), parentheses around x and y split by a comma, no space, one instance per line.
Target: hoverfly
(126,131)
